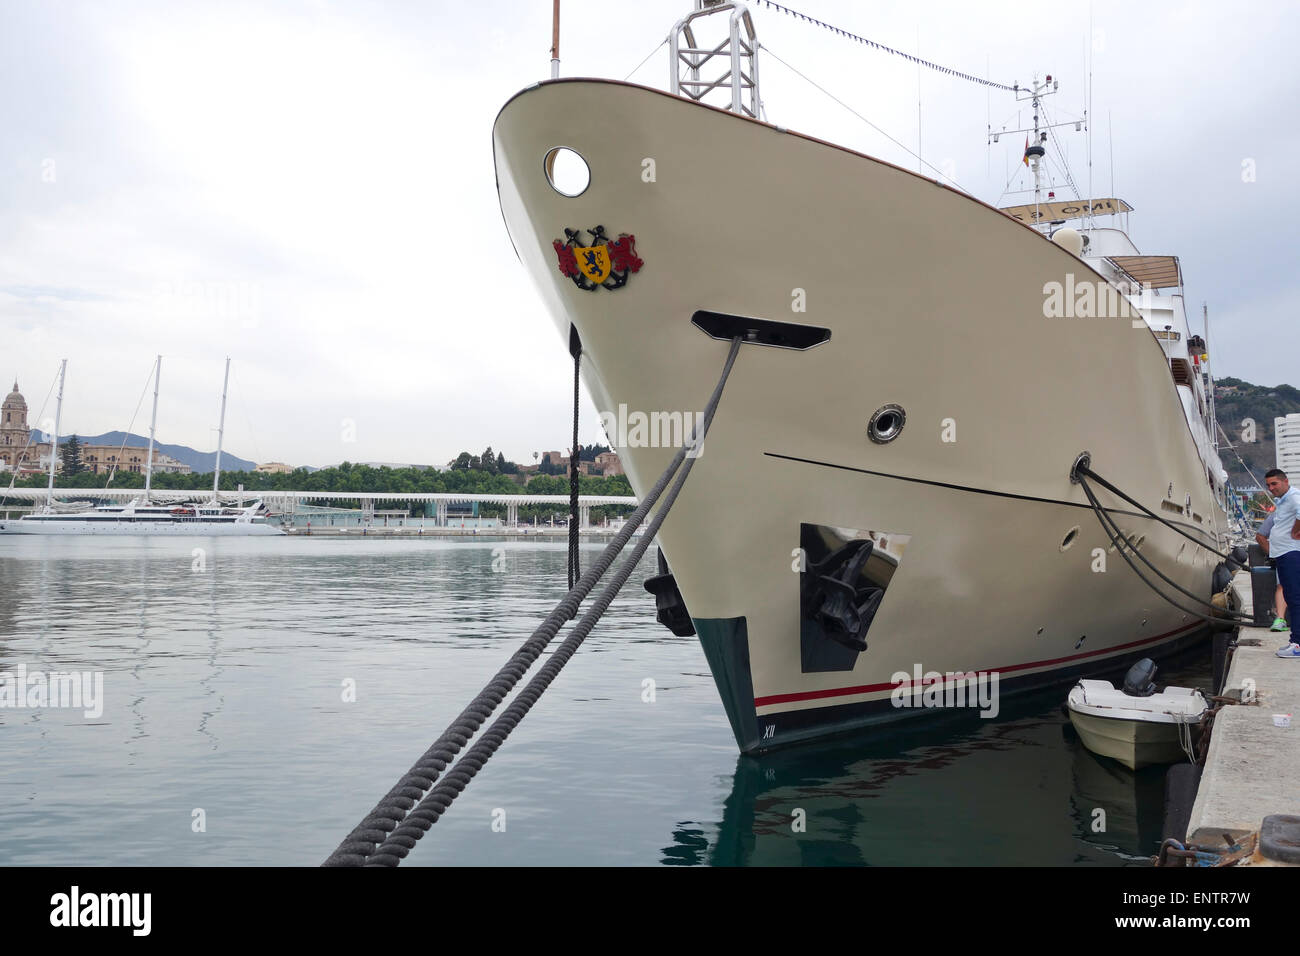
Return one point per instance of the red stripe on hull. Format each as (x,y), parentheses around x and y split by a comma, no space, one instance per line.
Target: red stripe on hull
(872,688)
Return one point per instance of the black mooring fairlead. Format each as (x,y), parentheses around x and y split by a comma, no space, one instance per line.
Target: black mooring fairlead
(670,609)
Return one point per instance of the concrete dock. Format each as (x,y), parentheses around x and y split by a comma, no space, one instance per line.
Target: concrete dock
(414,531)
(1252,768)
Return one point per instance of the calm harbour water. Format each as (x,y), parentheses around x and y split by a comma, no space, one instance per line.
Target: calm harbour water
(224,687)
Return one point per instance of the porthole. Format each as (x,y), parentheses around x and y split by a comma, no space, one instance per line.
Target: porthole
(567,172)
(1069,538)
(886,424)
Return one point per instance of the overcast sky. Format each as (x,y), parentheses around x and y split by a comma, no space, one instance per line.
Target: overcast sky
(308,188)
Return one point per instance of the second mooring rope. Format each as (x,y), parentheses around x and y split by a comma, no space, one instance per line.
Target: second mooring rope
(387,823)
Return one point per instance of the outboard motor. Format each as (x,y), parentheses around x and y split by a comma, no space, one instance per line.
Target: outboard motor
(1140,679)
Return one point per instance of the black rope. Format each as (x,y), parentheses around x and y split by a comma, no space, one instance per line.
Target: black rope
(392,810)
(403,839)
(575,348)
(1083,469)
(1123,547)
(880,46)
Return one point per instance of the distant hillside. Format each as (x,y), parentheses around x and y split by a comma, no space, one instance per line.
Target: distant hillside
(201,462)
(1235,401)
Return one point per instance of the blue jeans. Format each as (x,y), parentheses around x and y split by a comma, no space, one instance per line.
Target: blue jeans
(1288,576)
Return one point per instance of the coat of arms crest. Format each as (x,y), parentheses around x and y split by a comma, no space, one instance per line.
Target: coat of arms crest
(605,262)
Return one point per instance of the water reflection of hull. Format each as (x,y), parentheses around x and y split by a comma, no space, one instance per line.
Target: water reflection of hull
(1131,802)
(967,793)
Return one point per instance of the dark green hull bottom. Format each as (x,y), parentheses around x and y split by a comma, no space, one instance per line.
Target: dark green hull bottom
(726,647)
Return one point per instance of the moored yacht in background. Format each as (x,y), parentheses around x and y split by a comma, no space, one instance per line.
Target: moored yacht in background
(143,516)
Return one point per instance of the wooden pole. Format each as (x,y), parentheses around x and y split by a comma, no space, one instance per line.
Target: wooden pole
(555,40)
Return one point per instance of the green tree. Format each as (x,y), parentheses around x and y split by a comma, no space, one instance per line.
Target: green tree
(71,455)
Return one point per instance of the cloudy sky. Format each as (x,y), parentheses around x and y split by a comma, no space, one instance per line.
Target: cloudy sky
(307,187)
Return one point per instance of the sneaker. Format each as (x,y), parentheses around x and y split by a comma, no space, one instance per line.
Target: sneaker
(1291,650)
(1279,624)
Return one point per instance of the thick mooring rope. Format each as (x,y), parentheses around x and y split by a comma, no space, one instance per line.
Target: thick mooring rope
(403,839)
(1125,547)
(1085,471)
(391,813)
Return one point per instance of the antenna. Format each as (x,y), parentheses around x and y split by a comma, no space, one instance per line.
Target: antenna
(1042,127)
(1110,136)
(918,100)
(988,115)
(1209,374)
(1087,108)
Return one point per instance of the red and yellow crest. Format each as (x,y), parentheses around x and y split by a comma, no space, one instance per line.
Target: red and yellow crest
(606,262)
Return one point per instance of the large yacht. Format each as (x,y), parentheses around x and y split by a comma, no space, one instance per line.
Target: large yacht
(888,509)
(134,518)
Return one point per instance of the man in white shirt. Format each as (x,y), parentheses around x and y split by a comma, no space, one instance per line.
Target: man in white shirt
(1284,548)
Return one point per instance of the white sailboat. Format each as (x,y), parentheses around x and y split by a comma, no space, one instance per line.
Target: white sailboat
(143,516)
(888,505)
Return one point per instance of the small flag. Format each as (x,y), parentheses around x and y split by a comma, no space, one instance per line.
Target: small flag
(1026,158)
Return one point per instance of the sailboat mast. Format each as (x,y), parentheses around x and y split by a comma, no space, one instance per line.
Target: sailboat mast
(153,423)
(221,431)
(54,444)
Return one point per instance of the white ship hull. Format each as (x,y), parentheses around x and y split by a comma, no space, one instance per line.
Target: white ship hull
(140,518)
(137,528)
(935,303)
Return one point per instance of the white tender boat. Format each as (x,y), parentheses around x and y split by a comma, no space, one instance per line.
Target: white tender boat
(1138,730)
